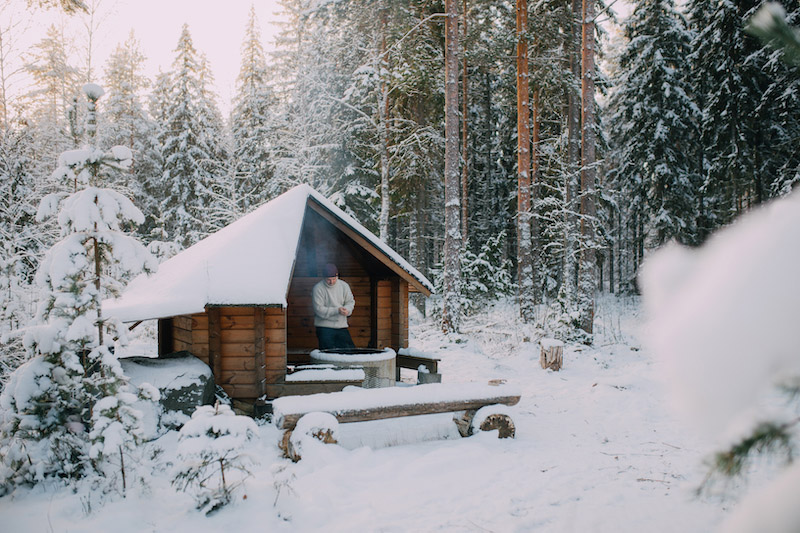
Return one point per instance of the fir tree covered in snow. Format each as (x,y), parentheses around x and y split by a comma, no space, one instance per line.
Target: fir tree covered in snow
(744,91)
(49,405)
(214,461)
(655,124)
(191,137)
(125,120)
(251,123)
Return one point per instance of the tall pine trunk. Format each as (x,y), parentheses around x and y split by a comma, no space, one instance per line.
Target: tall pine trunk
(570,289)
(524,248)
(464,134)
(451,312)
(588,276)
(383,126)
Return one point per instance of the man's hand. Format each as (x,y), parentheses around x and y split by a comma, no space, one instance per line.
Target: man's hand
(343,311)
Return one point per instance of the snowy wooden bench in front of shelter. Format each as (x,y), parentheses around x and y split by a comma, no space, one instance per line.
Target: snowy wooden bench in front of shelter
(417,360)
(464,399)
(322,378)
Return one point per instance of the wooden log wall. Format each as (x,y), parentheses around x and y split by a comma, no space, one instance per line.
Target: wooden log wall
(301,335)
(244,363)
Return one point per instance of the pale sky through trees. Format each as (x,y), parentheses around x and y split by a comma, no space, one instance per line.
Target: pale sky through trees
(217,30)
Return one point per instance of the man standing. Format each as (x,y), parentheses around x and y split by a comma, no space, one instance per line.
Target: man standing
(333,302)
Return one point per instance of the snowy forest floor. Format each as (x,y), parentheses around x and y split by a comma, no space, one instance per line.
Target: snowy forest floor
(597,449)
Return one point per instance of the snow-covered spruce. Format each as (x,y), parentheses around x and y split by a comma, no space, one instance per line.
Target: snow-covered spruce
(213,458)
(49,405)
(117,430)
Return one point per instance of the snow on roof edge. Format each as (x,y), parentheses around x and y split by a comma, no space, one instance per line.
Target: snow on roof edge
(186,283)
(364,232)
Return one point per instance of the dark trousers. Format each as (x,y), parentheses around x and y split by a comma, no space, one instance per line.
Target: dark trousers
(333,338)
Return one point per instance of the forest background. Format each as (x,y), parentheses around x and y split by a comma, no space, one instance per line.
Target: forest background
(691,122)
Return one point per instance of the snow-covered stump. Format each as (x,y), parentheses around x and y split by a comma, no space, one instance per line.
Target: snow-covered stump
(552,354)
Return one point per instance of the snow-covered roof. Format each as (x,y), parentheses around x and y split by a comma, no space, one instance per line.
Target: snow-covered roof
(248,262)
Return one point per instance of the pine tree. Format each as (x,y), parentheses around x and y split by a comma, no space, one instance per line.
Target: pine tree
(451,312)
(53,98)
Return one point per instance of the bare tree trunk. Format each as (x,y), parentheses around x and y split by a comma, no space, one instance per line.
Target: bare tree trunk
(451,313)
(383,125)
(573,163)
(524,259)
(588,276)
(534,188)
(464,135)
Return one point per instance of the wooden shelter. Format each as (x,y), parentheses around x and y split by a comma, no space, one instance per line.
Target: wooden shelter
(240,300)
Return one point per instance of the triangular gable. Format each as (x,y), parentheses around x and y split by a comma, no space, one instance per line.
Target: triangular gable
(248,262)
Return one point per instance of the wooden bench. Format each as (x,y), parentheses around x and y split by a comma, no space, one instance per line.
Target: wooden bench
(413,359)
(465,399)
(314,379)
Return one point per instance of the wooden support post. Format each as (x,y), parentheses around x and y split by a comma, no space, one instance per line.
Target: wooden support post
(260,355)
(215,342)
(399,314)
(165,337)
(373,312)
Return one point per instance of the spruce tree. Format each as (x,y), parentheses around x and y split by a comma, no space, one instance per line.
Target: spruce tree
(192,143)
(654,124)
(251,123)
(125,120)
(47,405)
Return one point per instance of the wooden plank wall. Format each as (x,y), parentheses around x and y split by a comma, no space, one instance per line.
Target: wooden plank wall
(300,327)
(245,364)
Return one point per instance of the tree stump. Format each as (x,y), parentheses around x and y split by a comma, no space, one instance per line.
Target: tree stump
(552,354)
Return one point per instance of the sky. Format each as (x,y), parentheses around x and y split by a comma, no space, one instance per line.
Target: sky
(217,30)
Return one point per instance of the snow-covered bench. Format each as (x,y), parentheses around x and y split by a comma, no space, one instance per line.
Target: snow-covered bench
(425,364)
(477,407)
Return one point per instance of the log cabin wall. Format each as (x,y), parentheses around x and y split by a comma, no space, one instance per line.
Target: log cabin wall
(242,363)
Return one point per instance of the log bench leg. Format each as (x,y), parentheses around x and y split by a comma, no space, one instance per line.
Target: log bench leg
(500,422)
(291,450)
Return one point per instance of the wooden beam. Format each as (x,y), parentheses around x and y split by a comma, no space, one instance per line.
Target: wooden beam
(215,342)
(166,343)
(399,314)
(301,388)
(373,312)
(413,362)
(260,349)
(367,245)
(289,421)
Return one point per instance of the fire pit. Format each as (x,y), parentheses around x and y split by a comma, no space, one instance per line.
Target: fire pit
(378,365)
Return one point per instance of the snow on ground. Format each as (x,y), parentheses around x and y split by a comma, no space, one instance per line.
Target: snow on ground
(597,449)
